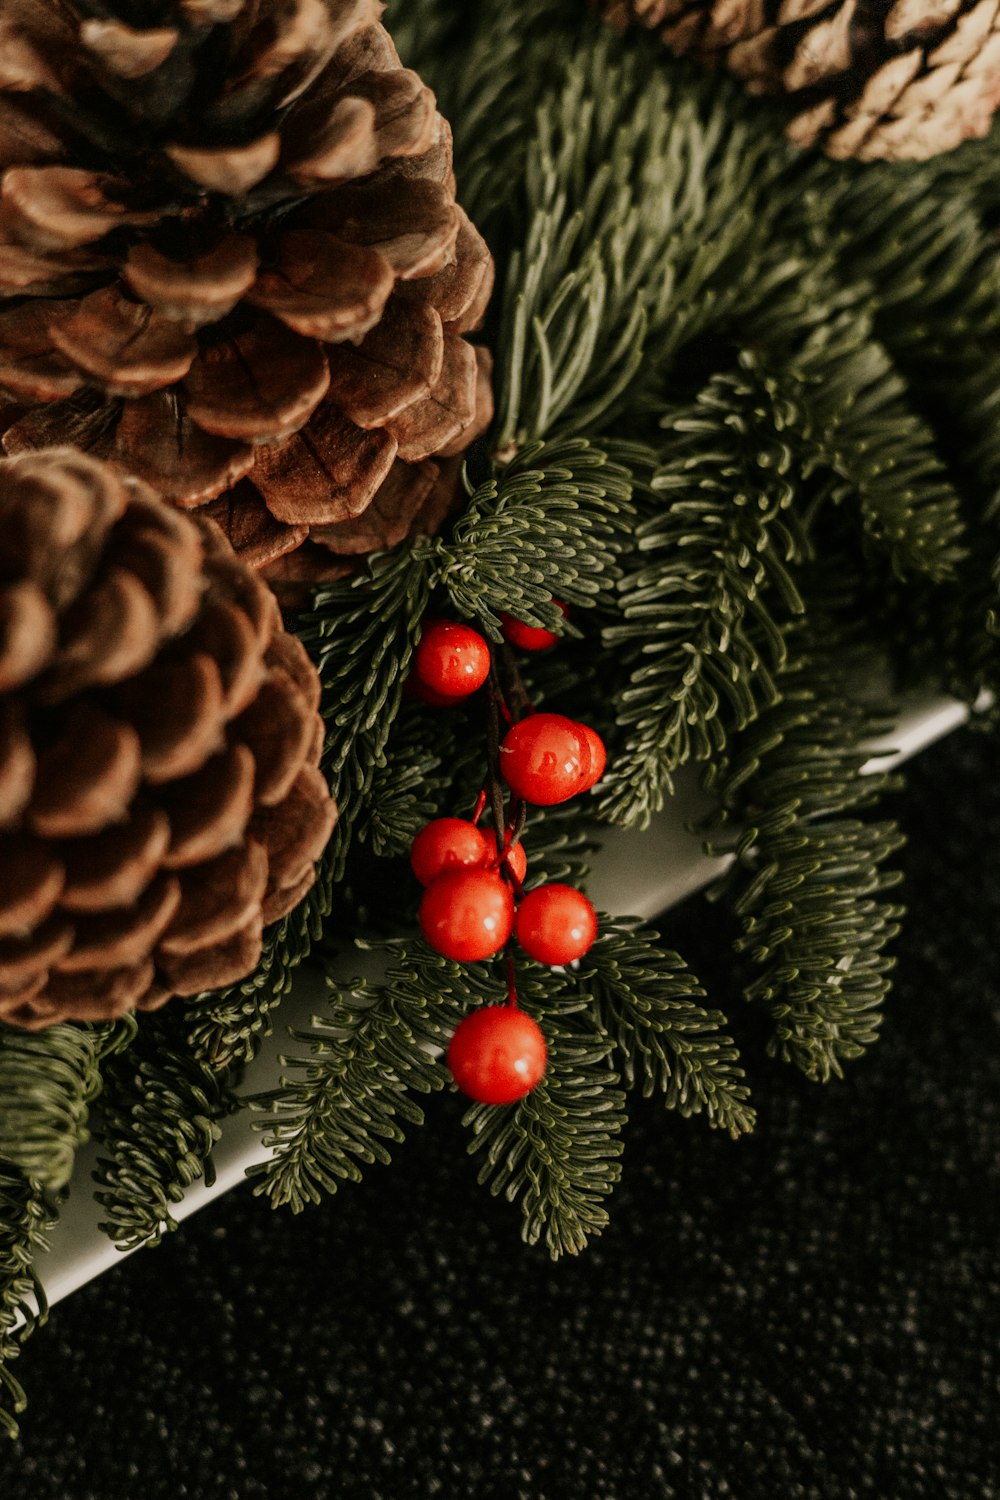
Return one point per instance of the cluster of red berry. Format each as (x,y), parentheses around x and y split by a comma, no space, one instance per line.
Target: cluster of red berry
(474,901)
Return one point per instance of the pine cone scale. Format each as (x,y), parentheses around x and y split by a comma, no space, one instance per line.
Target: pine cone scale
(156,441)
(209,809)
(32,367)
(196,291)
(903,80)
(325,289)
(328,472)
(256,534)
(220,898)
(177,711)
(220,965)
(27,633)
(17,764)
(125,346)
(397,365)
(91,995)
(260,386)
(334,149)
(87,778)
(113,867)
(125,52)
(31,879)
(121,937)
(25,960)
(64,208)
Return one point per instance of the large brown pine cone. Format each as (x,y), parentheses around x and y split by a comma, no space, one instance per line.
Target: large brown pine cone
(231,263)
(893,79)
(160,800)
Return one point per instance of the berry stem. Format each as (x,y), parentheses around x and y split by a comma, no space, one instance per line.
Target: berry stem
(494,781)
(506,826)
(513,690)
(511,980)
(479,808)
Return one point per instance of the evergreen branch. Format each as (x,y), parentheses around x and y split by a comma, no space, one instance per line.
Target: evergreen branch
(556,1150)
(698,637)
(47,1082)
(27,1214)
(158,1125)
(563,510)
(934,266)
(806,879)
(641,215)
(647,999)
(335,1108)
(407,788)
(361,634)
(847,409)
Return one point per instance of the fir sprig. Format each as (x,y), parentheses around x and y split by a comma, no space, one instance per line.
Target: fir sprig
(846,414)
(361,634)
(338,1105)
(808,877)
(647,999)
(48,1080)
(27,1214)
(555,1152)
(642,214)
(698,633)
(159,1122)
(348,1097)
(563,509)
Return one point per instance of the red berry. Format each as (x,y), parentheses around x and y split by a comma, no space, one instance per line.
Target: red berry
(467,914)
(545,759)
(451,659)
(555,924)
(449,844)
(497,1055)
(598,755)
(529,637)
(516,860)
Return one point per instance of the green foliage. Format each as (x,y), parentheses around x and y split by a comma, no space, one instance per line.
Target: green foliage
(27,1213)
(846,412)
(556,1151)
(807,877)
(48,1080)
(159,1122)
(563,510)
(337,1106)
(646,998)
(342,1105)
(226,1027)
(361,634)
(697,628)
(646,202)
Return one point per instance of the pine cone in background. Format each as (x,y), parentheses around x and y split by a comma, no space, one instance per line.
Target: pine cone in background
(160,800)
(232,264)
(895,79)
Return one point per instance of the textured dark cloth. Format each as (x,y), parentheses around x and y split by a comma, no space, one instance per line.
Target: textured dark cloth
(812,1312)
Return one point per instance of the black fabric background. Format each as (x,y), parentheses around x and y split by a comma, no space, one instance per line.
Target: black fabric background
(812,1312)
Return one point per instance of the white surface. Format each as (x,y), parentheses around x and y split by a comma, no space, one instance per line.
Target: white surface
(637,874)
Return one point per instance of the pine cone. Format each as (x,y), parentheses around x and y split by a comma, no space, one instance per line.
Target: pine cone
(160,800)
(232,264)
(895,79)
